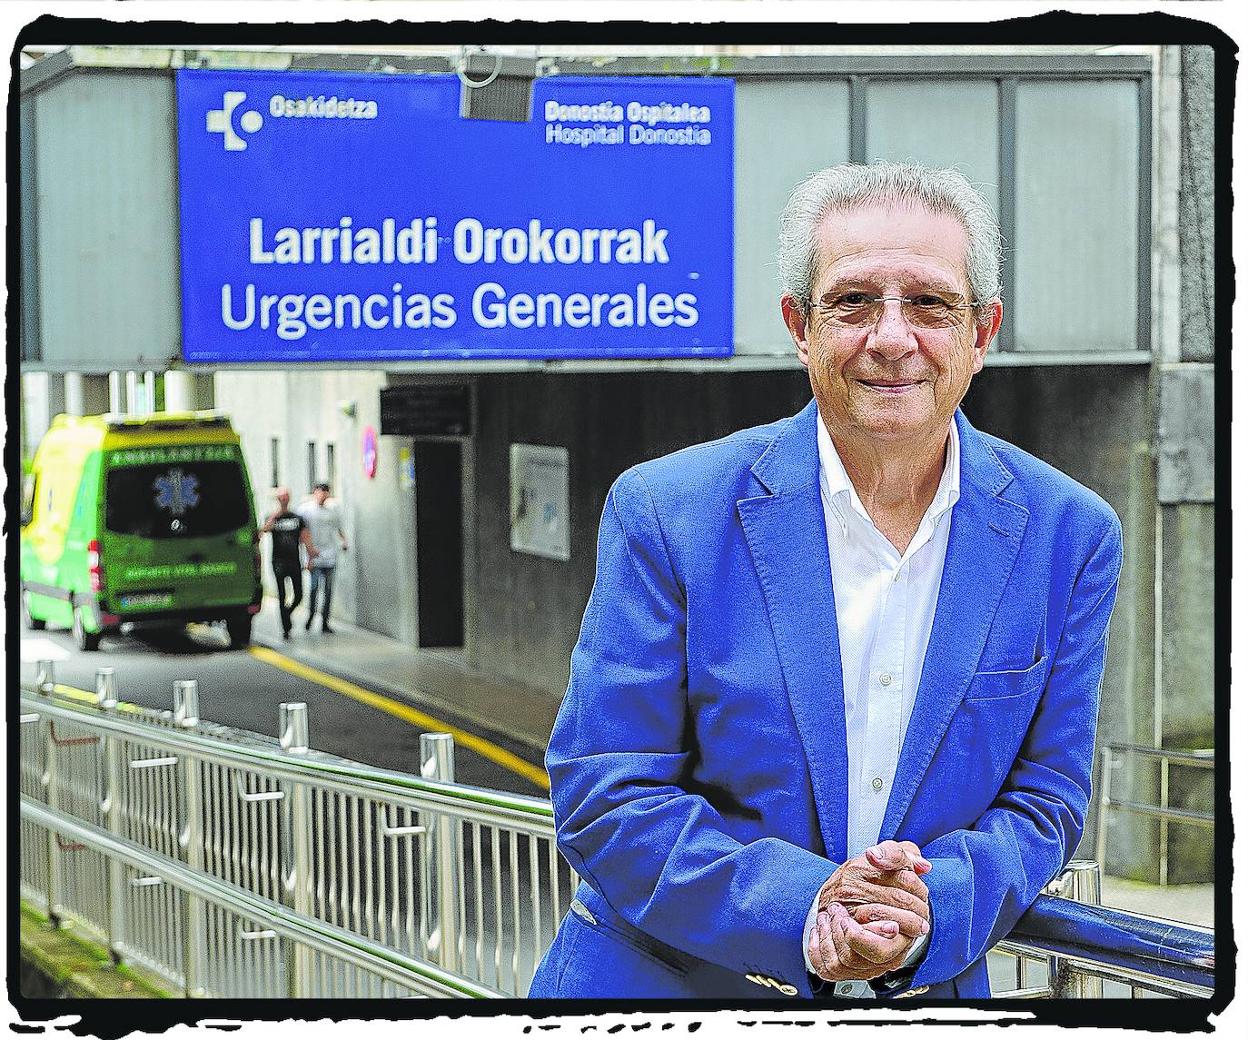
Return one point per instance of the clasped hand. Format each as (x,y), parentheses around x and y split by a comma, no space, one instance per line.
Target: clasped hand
(870,912)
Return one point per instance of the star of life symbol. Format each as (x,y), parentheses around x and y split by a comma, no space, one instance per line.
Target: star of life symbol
(176,492)
(220,120)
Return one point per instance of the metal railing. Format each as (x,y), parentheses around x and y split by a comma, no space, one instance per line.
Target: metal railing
(235,865)
(1067,945)
(1164,813)
(463,879)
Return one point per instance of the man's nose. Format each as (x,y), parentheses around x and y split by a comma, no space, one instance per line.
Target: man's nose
(892,337)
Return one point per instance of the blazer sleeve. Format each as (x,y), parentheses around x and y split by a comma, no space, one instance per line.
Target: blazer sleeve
(984,877)
(619,757)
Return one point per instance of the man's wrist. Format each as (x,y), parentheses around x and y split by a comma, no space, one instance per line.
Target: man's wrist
(807,931)
(901,977)
(915,954)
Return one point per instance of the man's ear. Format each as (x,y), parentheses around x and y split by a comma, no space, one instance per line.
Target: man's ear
(797,322)
(986,332)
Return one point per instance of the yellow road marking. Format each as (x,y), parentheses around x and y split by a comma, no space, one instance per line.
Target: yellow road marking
(74,693)
(497,755)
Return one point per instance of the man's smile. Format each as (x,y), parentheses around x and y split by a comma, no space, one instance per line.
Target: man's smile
(891,386)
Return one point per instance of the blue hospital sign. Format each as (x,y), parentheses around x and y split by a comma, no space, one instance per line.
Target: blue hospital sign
(339,217)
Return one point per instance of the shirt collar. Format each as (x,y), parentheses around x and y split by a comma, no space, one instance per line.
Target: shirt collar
(836,484)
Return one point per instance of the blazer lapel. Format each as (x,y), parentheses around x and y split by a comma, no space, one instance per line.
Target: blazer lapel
(984,539)
(788,542)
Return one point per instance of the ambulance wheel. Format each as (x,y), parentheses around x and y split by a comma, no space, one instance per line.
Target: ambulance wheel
(239,629)
(86,640)
(28,619)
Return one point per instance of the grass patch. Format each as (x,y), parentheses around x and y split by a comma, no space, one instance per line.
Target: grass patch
(77,965)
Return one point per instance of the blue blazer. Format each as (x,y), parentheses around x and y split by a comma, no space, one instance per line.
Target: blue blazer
(698,763)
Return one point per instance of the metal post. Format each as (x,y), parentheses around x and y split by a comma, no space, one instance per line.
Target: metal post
(296,845)
(1083,877)
(45,677)
(186,703)
(190,838)
(105,689)
(1080,881)
(1102,818)
(44,682)
(1163,867)
(179,391)
(74,394)
(132,393)
(110,810)
(444,862)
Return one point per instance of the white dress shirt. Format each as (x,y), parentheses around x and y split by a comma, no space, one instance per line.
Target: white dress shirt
(885,604)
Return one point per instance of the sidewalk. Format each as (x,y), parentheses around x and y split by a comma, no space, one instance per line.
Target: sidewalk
(428,678)
(1189,904)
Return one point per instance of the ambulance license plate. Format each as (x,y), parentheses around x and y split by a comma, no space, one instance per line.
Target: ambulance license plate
(147,600)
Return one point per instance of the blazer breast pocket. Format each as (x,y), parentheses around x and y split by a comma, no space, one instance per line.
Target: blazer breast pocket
(1003,685)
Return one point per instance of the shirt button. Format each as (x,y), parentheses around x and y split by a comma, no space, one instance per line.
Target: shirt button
(877,784)
(886,679)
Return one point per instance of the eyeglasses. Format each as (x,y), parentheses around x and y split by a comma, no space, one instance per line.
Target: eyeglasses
(926,309)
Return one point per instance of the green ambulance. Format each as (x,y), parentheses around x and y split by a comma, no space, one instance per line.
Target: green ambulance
(139,521)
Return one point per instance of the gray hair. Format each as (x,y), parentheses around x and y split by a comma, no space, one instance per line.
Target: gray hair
(944,191)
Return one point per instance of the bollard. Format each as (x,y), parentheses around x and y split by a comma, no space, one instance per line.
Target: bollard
(186,703)
(105,689)
(437,757)
(45,677)
(1081,882)
(296,844)
(292,726)
(110,811)
(190,838)
(444,862)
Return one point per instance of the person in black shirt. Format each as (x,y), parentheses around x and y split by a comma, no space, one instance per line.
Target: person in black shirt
(289,531)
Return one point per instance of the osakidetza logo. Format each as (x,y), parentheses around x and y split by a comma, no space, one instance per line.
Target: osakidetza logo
(221,120)
(311,106)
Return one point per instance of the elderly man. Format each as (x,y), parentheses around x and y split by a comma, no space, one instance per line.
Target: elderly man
(830,719)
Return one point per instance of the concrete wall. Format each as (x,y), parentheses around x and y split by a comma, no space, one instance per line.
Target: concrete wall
(1094,423)
(528,608)
(1196,201)
(1188,513)
(1187,559)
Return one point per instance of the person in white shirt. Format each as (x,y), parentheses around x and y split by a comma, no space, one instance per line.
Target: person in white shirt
(324,520)
(829,724)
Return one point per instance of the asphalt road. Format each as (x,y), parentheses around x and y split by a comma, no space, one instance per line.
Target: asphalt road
(237,689)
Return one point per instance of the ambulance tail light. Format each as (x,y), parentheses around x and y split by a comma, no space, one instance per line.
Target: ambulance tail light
(94,568)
